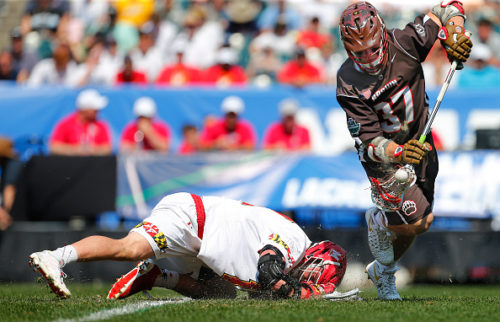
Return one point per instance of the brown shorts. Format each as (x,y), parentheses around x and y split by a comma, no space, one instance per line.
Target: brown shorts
(415,206)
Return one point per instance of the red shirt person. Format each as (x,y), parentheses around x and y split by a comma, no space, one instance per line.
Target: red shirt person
(226,72)
(191,142)
(287,134)
(230,132)
(299,72)
(312,37)
(129,75)
(81,133)
(179,74)
(145,133)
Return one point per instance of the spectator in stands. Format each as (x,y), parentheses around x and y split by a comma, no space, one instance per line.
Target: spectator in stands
(436,66)
(230,132)
(280,39)
(7,71)
(23,59)
(312,35)
(60,69)
(486,34)
(191,141)
(299,72)
(11,168)
(226,72)
(438,142)
(110,62)
(104,25)
(480,74)
(128,74)
(166,33)
(179,74)
(130,16)
(263,67)
(242,16)
(327,61)
(327,13)
(203,38)
(45,15)
(145,133)
(90,12)
(145,57)
(85,74)
(81,133)
(287,135)
(279,10)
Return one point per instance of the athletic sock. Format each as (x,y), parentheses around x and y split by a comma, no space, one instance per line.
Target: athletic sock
(168,279)
(65,255)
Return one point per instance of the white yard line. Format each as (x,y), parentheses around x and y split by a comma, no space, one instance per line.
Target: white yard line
(127,309)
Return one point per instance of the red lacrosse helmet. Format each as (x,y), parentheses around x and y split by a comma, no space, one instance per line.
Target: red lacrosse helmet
(324,262)
(364,35)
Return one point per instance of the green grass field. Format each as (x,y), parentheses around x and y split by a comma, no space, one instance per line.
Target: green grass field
(34,302)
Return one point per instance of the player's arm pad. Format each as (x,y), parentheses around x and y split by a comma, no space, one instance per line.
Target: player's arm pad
(447,10)
(376,149)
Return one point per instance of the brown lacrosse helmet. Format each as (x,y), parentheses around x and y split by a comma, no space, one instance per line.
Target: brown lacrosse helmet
(364,35)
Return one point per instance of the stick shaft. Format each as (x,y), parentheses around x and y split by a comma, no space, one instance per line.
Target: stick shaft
(443,90)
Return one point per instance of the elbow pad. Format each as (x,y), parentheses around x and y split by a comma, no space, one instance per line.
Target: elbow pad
(376,150)
(447,10)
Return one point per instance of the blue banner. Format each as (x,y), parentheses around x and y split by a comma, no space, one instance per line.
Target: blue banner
(468,184)
(29,115)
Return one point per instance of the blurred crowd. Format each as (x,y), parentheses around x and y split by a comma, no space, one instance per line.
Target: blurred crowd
(211,42)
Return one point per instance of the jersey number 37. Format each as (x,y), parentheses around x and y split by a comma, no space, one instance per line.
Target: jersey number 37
(391,122)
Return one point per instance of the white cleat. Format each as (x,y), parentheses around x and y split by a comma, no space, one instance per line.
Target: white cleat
(384,281)
(379,239)
(50,268)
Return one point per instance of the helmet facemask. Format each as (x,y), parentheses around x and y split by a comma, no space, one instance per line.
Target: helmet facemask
(371,60)
(312,270)
(364,35)
(323,263)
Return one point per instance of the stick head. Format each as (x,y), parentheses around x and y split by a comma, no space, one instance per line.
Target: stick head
(388,195)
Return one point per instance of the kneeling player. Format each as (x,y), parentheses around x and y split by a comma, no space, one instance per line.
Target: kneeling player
(207,246)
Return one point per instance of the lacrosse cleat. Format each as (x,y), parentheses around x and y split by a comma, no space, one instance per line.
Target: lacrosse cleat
(384,280)
(50,268)
(379,239)
(141,278)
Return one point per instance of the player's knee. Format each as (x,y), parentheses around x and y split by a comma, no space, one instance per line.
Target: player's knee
(134,247)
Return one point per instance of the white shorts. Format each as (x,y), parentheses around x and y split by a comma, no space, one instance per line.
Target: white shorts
(171,231)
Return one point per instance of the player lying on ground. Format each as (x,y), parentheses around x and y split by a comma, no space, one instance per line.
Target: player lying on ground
(382,90)
(207,246)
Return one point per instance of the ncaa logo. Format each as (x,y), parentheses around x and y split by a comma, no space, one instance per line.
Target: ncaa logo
(409,207)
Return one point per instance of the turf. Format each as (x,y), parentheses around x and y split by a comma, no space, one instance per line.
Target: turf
(34,302)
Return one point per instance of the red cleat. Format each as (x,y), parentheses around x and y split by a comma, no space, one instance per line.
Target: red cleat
(142,277)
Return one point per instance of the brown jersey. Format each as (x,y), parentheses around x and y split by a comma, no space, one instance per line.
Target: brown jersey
(392,104)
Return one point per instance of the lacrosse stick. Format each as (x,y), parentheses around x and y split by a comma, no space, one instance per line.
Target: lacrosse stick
(388,195)
(342,296)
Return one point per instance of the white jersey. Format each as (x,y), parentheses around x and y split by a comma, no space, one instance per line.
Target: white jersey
(223,234)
